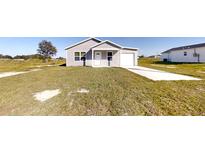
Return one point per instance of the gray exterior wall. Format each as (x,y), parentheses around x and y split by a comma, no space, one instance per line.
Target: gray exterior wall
(103,48)
(106,46)
(178,55)
(84,47)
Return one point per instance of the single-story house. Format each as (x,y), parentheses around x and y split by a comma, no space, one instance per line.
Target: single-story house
(190,53)
(96,53)
(154,56)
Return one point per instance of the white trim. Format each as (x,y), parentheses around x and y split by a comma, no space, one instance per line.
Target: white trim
(106,49)
(130,48)
(108,42)
(101,66)
(98,59)
(119,46)
(134,59)
(80,55)
(90,38)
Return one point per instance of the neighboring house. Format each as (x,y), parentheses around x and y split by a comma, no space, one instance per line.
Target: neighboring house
(154,56)
(96,53)
(191,53)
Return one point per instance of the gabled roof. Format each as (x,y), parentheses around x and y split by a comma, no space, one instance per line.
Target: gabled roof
(108,42)
(114,44)
(91,38)
(130,48)
(101,42)
(185,47)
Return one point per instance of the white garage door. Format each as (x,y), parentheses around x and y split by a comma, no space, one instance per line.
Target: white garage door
(126,59)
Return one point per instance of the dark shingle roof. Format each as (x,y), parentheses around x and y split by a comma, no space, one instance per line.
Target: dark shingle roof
(91,38)
(186,47)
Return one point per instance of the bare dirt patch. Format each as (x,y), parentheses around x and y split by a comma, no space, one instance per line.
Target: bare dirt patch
(201,71)
(82,90)
(171,67)
(46,94)
(39,66)
(33,70)
(7,74)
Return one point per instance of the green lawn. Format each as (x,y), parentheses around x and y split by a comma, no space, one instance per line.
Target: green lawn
(192,69)
(112,91)
(18,65)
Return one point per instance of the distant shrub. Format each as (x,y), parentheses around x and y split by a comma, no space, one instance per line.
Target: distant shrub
(60,58)
(141,56)
(25,57)
(5,56)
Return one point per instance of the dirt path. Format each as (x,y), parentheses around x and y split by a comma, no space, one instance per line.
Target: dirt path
(7,74)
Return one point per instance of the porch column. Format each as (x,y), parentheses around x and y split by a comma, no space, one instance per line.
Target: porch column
(92,57)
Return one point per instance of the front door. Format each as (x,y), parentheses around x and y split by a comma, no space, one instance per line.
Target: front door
(98,57)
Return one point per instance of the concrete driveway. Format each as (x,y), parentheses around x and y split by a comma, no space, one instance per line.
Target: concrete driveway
(157,75)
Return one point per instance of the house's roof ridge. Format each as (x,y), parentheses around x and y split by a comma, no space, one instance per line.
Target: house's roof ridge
(85,40)
(130,48)
(186,47)
(117,45)
(100,42)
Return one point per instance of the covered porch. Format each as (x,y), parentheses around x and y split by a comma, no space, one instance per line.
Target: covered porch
(103,58)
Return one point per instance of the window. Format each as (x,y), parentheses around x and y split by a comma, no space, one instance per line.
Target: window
(79,56)
(109,56)
(185,53)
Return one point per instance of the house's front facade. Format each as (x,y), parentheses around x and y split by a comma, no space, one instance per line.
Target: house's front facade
(96,53)
(191,53)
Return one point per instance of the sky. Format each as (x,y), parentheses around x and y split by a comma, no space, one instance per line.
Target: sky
(147,45)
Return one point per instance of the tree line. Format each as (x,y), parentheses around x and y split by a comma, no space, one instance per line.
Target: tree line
(25,57)
(45,51)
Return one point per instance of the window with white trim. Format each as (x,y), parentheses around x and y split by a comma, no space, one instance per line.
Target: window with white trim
(109,56)
(185,53)
(79,56)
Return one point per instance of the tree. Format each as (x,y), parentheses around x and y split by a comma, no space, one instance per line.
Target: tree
(141,56)
(5,56)
(46,49)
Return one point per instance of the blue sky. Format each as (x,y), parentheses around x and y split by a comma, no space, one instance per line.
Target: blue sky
(147,45)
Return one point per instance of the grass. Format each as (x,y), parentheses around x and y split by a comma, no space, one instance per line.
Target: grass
(17,65)
(192,69)
(112,91)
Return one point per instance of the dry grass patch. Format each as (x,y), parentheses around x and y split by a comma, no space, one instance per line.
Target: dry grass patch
(46,94)
(112,91)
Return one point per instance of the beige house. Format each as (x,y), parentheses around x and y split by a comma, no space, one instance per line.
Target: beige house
(190,53)
(96,53)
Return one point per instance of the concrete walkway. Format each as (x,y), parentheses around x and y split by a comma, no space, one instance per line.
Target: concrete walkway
(7,74)
(157,75)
